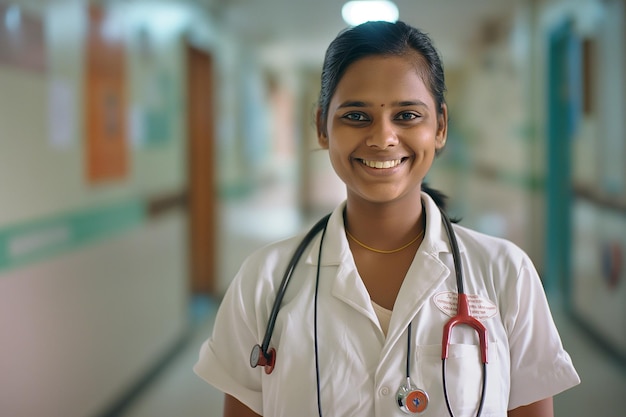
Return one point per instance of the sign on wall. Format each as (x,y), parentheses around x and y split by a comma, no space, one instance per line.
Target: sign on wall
(107,149)
(22,41)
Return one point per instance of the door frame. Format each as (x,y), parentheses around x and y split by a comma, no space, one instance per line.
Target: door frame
(202,204)
(563,113)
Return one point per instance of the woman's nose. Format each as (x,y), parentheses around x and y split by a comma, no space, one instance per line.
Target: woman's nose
(382,135)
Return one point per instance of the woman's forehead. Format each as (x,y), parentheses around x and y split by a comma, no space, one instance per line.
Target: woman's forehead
(395,78)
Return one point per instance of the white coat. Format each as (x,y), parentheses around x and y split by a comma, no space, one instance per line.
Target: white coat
(361,369)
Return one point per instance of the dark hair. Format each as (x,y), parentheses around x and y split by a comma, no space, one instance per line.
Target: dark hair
(380,39)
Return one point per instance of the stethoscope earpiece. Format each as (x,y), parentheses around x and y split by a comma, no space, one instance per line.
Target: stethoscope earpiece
(267,360)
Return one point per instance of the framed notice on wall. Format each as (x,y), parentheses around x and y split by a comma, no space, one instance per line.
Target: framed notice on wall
(107,145)
(22,41)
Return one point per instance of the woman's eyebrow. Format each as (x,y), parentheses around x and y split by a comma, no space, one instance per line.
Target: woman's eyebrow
(353,103)
(402,103)
(408,103)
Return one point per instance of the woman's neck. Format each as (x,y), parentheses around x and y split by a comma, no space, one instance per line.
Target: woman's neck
(384,226)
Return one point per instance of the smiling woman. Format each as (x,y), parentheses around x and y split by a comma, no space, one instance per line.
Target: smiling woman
(363,316)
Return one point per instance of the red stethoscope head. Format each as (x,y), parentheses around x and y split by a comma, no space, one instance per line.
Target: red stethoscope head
(265,359)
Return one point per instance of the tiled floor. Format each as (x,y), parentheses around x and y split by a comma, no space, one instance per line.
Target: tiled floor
(177,392)
(602,392)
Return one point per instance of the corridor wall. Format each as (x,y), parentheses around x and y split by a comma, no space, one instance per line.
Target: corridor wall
(93,274)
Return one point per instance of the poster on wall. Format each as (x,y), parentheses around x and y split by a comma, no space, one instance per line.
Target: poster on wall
(154,95)
(156,109)
(22,41)
(106,133)
(61,114)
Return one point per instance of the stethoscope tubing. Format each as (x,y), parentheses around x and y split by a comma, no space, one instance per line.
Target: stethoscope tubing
(317,286)
(483,389)
(462,316)
(320,225)
(456,258)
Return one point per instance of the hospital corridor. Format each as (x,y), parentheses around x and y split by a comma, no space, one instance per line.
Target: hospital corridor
(148,147)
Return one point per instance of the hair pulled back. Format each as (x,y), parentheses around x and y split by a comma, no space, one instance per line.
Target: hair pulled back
(380,39)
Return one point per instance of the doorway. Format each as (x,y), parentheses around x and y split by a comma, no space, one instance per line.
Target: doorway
(202,183)
(564,84)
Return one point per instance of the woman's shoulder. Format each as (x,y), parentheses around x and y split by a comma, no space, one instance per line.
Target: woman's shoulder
(492,247)
(498,262)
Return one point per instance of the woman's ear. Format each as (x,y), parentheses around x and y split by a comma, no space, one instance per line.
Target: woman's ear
(322,137)
(442,128)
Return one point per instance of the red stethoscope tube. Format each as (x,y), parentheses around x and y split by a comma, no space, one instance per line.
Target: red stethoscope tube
(463,317)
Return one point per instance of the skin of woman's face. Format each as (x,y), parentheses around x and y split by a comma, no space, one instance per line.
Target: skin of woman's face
(383,129)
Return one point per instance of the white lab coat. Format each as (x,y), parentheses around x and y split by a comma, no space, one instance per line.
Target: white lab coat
(361,369)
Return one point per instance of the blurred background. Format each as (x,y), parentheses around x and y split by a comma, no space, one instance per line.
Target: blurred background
(147,147)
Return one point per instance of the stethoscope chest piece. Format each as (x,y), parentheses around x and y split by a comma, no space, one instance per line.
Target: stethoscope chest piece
(411,399)
(257,357)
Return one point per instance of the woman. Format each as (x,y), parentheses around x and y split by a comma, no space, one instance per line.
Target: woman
(359,330)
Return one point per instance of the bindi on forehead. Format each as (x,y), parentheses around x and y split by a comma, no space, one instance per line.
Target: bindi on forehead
(382,105)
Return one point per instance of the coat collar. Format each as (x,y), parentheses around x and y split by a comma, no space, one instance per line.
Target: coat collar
(426,273)
(336,248)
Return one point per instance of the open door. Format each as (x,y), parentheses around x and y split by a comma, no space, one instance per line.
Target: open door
(201,159)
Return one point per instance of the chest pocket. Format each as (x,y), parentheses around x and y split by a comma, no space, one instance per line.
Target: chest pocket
(463,380)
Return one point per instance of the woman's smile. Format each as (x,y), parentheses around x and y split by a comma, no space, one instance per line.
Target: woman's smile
(382,167)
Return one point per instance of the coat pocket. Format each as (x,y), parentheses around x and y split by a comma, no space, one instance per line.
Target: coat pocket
(464,376)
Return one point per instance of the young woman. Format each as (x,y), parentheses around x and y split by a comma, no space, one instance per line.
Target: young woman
(360,326)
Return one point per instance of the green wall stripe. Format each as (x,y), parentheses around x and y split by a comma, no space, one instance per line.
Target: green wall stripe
(33,241)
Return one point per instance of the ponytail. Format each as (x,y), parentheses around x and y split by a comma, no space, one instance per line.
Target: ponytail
(439,198)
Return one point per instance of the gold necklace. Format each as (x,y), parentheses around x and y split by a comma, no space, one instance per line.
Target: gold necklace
(386,252)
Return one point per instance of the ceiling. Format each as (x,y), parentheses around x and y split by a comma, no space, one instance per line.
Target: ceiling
(292,30)
(288,32)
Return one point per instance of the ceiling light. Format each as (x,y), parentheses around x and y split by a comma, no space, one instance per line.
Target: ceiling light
(357,12)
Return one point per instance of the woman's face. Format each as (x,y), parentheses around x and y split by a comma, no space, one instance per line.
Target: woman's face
(383,129)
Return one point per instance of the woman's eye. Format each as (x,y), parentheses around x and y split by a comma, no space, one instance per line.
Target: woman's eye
(407,116)
(355,117)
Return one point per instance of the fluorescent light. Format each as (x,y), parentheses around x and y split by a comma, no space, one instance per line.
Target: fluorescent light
(357,12)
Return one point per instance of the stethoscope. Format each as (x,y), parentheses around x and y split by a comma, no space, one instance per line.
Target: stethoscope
(409,397)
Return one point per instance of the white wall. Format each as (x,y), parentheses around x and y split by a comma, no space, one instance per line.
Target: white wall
(82,320)
(79,329)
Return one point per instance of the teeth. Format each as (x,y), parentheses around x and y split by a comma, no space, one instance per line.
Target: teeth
(381,164)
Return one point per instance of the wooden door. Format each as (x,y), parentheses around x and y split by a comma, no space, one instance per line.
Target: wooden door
(106,147)
(202,188)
